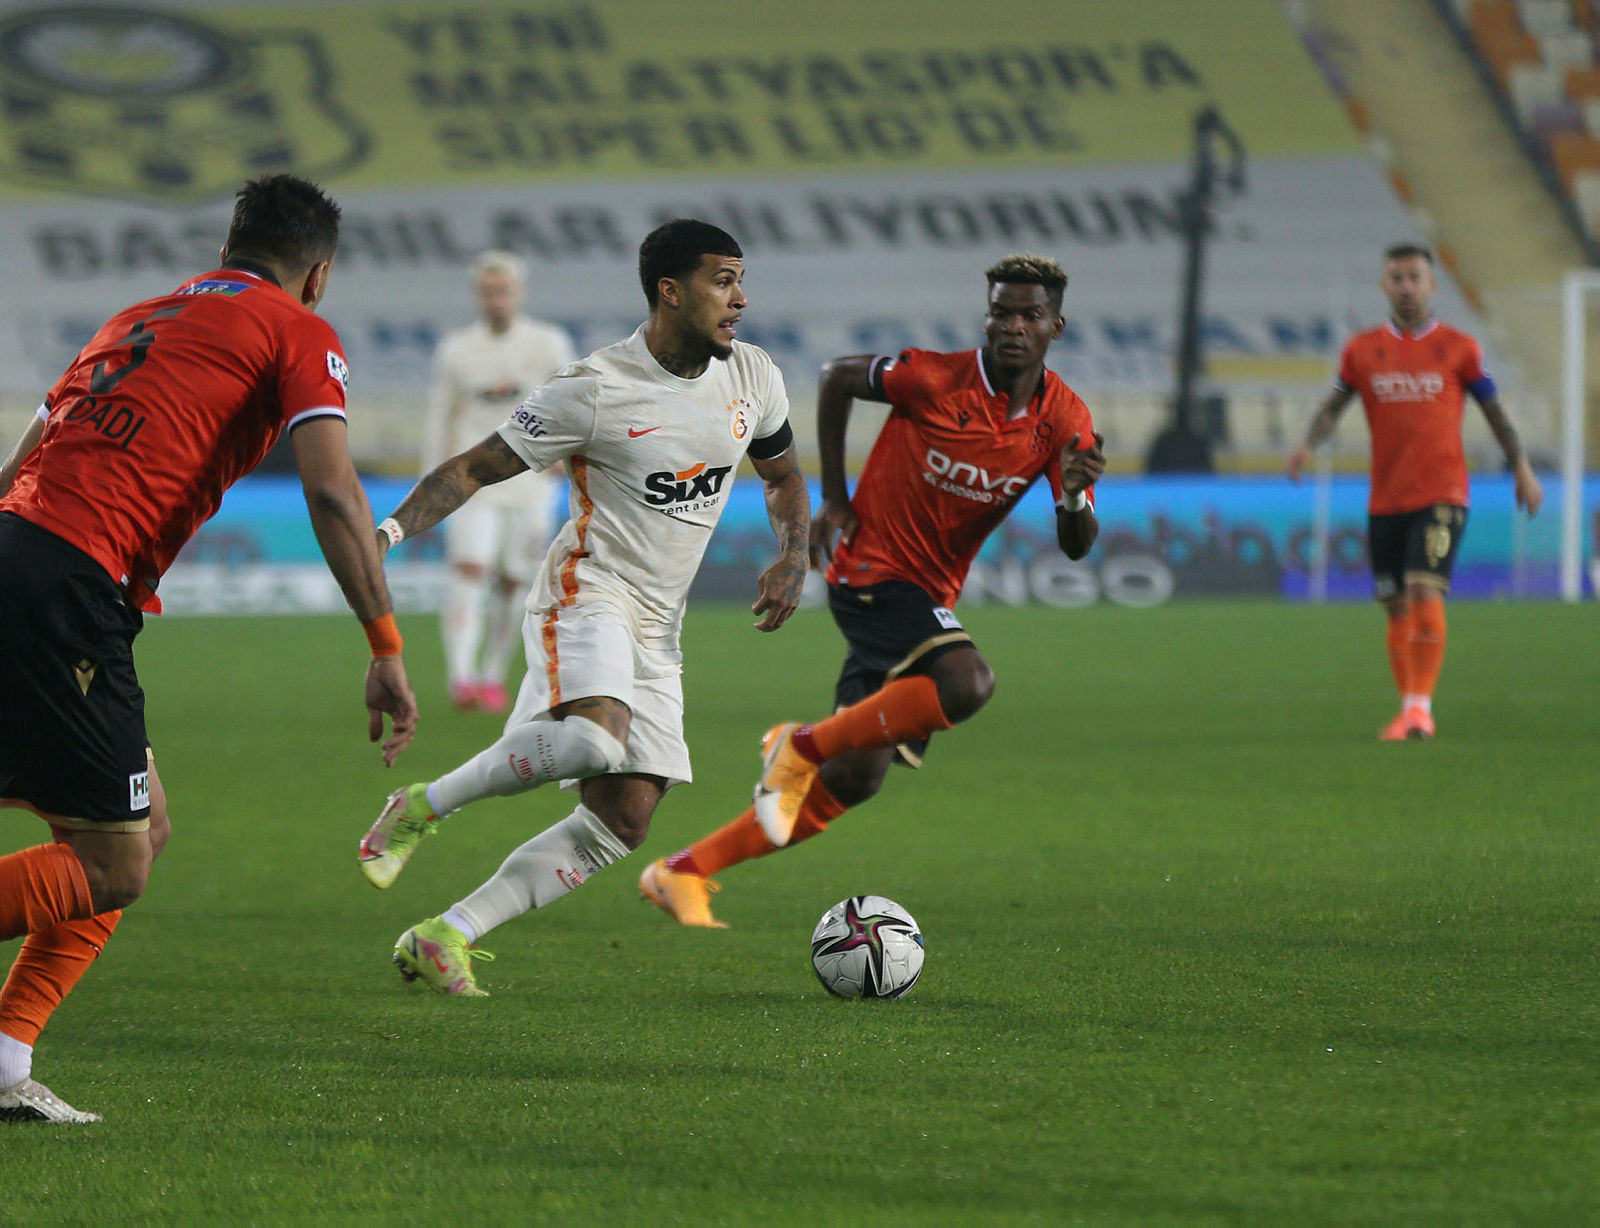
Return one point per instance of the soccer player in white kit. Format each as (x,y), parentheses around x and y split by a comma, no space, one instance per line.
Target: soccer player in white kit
(651,430)
(495,543)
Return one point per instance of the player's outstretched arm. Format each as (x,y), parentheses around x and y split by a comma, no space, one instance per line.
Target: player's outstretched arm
(342,520)
(451,484)
(1077,526)
(842,383)
(1327,417)
(26,444)
(789,511)
(1529,493)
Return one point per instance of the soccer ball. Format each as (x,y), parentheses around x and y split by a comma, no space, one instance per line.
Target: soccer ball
(867,947)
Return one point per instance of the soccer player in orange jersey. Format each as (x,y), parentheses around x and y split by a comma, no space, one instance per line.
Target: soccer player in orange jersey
(967,434)
(1412,373)
(169,404)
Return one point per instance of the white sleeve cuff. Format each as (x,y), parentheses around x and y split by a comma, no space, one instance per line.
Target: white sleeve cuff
(1073,503)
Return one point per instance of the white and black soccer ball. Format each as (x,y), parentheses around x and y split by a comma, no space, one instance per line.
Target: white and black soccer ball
(867,947)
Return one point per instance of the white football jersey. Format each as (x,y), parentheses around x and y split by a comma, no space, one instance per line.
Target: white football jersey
(651,459)
(479,378)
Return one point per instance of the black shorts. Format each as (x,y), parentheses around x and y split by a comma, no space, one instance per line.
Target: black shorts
(72,735)
(1415,548)
(893,628)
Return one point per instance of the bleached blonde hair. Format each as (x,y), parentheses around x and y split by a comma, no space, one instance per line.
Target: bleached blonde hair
(1030,269)
(513,266)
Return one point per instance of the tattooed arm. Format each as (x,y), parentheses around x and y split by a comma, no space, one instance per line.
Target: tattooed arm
(789,511)
(1529,493)
(1327,417)
(452,484)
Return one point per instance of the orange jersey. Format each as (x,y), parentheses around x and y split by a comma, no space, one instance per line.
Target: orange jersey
(947,467)
(170,403)
(1411,386)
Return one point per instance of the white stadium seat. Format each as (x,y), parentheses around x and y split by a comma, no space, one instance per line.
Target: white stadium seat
(1569,50)
(1542,18)
(1586,191)
(1535,88)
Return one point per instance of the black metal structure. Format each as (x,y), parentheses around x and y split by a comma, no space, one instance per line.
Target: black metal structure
(1184,446)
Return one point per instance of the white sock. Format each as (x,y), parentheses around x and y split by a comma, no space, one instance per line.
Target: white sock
(461,626)
(1425,702)
(505,631)
(16,1061)
(528,756)
(554,862)
(453,916)
(433,800)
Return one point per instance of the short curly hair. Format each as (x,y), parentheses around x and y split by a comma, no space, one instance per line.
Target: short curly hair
(1401,251)
(1031,269)
(673,249)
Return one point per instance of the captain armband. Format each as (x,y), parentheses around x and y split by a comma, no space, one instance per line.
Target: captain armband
(770,447)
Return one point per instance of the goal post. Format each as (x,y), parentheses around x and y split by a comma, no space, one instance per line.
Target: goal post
(1580,285)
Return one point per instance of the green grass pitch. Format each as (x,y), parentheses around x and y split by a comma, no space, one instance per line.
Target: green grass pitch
(1200,949)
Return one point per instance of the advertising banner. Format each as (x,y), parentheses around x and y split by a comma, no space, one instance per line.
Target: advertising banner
(1160,538)
(176,106)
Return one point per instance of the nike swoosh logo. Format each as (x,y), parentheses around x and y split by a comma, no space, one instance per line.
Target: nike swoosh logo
(633,434)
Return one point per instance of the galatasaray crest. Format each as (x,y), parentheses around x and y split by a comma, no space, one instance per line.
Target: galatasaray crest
(135,102)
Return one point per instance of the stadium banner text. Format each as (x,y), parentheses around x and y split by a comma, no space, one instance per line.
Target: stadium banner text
(870,177)
(836,265)
(456,93)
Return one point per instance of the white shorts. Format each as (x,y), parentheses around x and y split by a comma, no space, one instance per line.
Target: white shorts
(510,541)
(580,651)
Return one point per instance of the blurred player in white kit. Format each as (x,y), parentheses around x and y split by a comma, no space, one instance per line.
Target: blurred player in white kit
(495,544)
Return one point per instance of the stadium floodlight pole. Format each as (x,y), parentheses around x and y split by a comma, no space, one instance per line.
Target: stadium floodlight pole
(1182,445)
(1574,303)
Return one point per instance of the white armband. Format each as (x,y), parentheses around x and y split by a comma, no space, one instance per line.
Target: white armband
(391,529)
(1073,503)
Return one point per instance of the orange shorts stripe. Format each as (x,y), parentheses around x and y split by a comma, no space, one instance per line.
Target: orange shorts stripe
(578,473)
(552,665)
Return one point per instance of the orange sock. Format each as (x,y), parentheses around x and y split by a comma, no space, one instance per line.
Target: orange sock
(40,888)
(743,838)
(1400,652)
(738,841)
(1427,646)
(901,711)
(46,969)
